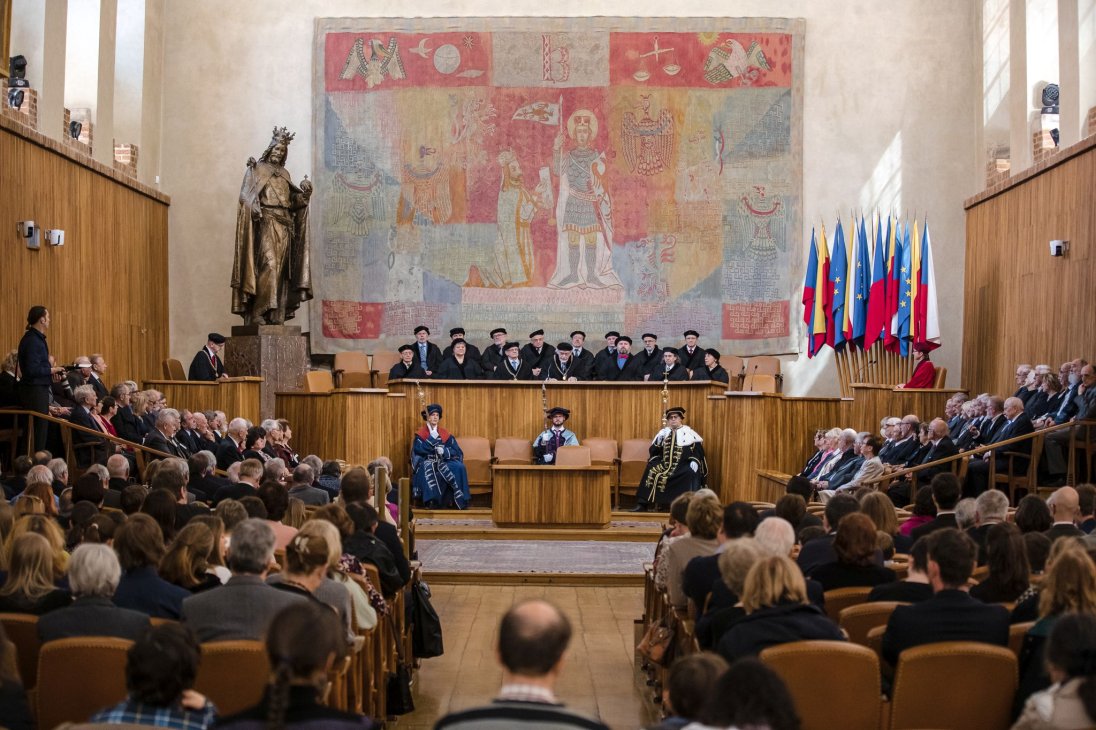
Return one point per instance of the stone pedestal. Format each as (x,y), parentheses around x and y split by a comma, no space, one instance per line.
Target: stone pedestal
(278,353)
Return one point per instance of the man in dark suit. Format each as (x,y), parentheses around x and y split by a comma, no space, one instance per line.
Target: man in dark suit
(1082,407)
(494,353)
(946,492)
(650,357)
(470,351)
(98,372)
(819,551)
(203,482)
(188,432)
(537,354)
(563,367)
(427,354)
(1064,507)
(953,412)
(846,466)
(1086,501)
(951,614)
(207,364)
(82,374)
(408,368)
(939,447)
(231,448)
(512,367)
(990,508)
(583,357)
(88,449)
(251,471)
(690,355)
(1017,423)
(606,353)
(162,438)
(125,423)
(905,442)
(243,607)
(622,366)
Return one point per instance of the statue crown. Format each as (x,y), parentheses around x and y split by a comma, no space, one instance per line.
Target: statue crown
(283,135)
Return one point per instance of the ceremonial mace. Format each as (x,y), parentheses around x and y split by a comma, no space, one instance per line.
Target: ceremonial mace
(665,396)
(544,402)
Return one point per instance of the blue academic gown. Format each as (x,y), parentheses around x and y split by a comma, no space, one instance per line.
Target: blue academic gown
(439,480)
(549,441)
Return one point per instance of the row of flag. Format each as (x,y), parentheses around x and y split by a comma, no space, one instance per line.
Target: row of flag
(878,285)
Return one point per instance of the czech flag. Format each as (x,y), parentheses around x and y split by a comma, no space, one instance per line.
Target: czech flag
(926,313)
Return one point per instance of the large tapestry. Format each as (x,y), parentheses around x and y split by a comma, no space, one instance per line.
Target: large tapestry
(640,175)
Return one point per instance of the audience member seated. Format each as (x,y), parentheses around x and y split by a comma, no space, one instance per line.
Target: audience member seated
(1033,515)
(30,587)
(821,451)
(140,546)
(777,612)
(532,639)
(161,667)
(329,478)
(903,441)
(735,561)
(303,643)
(991,508)
(186,562)
(243,607)
(47,527)
(232,447)
(251,471)
(204,483)
(704,520)
(1009,572)
(162,436)
(1069,587)
(348,564)
(93,575)
(923,512)
(216,556)
(880,509)
(1086,507)
(89,449)
(855,546)
(329,589)
(915,587)
(1070,702)
(820,551)
(840,469)
(14,708)
(1017,423)
(357,488)
(830,456)
(1064,506)
(951,614)
(776,537)
(749,695)
(306,559)
(276,501)
(160,505)
(793,509)
(689,685)
(302,489)
(945,495)
(366,547)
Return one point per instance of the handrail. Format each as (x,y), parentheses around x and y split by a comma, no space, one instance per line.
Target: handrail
(973,452)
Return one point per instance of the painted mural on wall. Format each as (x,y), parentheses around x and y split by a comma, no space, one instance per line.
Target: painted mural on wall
(596,174)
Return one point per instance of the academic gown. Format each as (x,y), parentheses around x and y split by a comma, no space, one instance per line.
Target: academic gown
(584,364)
(470,351)
(492,356)
(676,465)
(505,372)
(439,480)
(694,361)
(602,357)
(536,359)
(611,370)
(559,371)
(450,369)
(676,374)
(649,363)
(399,371)
(718,374)
(549,441)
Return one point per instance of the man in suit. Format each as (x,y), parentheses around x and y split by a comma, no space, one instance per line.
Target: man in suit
(951,614)
(512,367)
(408,368)
(302,488)
(940,447)
(98,372)
(231,448)
(691,356)
(247,484)
(606,353)
(82,374)
(562,366)
(819,551)
(953,412)
(945,494)
(1064,507)
(990,508)
(1017,423)
(243,607)
(650,357)
(846,465)
(623,366)
(584,359)
(188,431)
(427,354)
(88,449)
(203,482)
(118,471)
(207,364)
(1086,506)
(494,353)
(537,354)
(992,423)
(163,437)
(93,576)
(470,351)
(905,441)
(1083,407)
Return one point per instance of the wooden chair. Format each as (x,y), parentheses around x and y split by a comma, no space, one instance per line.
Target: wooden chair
(352,370)
(634,454)
(173,369)
(573,456)
(936,685)
(858,620)
(760,383)
(842,598)
(1015,476)
(318,381)
(835,684)
(477,461)
(603,452)
(763,364)
(22,630)
(736,368)
(941,378)
(1016,634)
(380,363)
(233,674)
(77,677)
(510,450)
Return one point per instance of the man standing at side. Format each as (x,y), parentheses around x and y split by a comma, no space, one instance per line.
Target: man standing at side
(533,637)
(206,365)
(36,372)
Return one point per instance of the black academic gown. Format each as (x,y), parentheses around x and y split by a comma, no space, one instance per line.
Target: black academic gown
(536,359)
(600,359)
(676,374)
(694,361)
(558,371)
(670,472)
(717,374)
(470,351)
(611,370)
(433,355)
(584,364)
(492,356)
(202,368)
(450,369)
(399,371)
(649,363)
(505,372)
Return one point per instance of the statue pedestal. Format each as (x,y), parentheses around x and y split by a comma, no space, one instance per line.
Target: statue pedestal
(278,353)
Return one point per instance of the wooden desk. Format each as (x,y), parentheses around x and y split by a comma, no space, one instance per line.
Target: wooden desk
(555,496)
(234,396)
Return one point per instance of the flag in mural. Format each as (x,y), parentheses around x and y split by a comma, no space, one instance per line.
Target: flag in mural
(615,174)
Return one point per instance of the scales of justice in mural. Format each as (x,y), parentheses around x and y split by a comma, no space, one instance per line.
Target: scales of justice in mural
(614,174)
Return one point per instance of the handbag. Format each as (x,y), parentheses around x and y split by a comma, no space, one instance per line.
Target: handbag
(399,700)
(426,638)
(658,645)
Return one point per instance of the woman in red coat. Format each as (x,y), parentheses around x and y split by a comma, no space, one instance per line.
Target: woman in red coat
(924,373)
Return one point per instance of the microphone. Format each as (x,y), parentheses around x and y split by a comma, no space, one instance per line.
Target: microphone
(863,368)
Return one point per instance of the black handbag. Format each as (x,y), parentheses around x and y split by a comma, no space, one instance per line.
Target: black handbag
(399,700)
(426,639)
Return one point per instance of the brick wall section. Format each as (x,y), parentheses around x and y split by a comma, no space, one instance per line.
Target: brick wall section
(28,113)
(125,157)
(1042,146)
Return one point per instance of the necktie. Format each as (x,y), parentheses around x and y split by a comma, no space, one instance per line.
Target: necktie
(422,354)
(513,364)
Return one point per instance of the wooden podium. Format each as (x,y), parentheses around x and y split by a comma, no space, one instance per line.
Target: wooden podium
(550,496)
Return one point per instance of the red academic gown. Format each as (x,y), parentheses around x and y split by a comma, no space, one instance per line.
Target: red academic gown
(924,376)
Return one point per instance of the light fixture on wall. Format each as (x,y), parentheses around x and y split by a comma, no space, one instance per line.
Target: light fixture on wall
(1058,248)
(74,129)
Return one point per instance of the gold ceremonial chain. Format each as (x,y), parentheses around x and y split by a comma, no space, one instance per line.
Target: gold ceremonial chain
(422,396)
(665,396)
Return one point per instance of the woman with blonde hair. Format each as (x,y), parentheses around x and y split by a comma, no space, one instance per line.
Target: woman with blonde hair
(295,513)
(139,403)
(47,528)
(703,518)
(186,563)
(777,611)
(216,557)
(337,589)
(30,586)
(880,509)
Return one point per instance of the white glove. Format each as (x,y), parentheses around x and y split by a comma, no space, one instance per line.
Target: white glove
(548,458)
(693,466)
(440,450)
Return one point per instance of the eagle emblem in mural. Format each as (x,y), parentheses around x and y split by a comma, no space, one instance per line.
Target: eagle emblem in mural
(648,143)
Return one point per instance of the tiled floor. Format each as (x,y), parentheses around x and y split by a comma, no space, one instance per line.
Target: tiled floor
(598,676)
(572,557)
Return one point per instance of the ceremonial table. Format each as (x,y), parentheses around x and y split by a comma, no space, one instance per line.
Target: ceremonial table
(550,496)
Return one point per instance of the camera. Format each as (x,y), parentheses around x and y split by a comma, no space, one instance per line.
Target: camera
(1058,247)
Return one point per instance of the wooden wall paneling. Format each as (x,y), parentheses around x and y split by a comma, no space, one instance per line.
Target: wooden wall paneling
(234,396)
(106,287)
(1021,304)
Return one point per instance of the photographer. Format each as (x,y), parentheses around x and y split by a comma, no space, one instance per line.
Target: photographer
(36,372)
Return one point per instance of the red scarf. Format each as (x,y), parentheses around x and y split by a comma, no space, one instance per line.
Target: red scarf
(424,434)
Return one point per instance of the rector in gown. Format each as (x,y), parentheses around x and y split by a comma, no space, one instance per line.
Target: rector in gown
(676,465)
(439,478)
(552,438)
